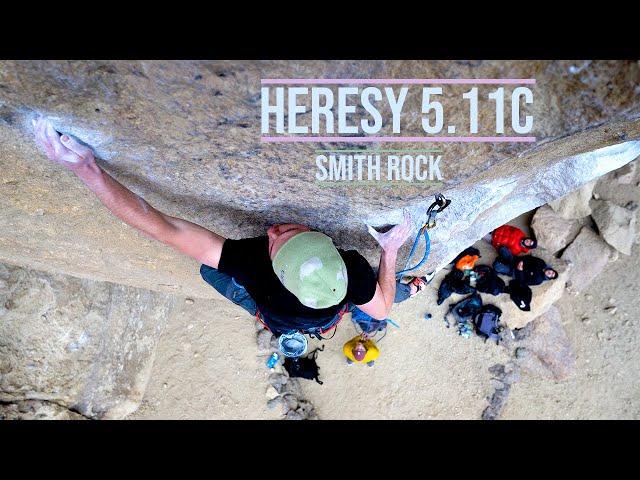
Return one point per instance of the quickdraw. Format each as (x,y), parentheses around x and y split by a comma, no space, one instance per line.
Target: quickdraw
(436,207)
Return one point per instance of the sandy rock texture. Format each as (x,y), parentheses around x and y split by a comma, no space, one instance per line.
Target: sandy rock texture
(71,347)
(208,366)
(185,136)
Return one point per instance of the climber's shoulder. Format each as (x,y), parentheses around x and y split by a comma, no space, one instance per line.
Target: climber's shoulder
(361,279)
(244,253)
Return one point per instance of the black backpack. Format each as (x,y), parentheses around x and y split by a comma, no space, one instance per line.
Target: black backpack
(304,367)
(454,282)
(487,322)
(488,281)
(465,309)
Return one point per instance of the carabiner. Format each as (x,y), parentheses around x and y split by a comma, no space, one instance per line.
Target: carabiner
(441,203)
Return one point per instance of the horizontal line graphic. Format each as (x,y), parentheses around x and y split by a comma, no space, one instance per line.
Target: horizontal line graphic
(396,139)
(417,150)
(397,81)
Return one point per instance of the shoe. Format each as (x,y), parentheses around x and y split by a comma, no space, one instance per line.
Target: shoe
(420,283)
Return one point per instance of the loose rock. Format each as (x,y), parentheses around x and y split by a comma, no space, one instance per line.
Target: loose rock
(278,379)
(576,204)
(552,231)
(616,224)
(291,402)
(626,174)
(549,352)
(276,402)
(293,415)
(588,255)
(271,392)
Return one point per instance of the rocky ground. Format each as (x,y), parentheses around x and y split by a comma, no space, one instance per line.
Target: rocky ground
(575,361)
(425,370)
(605,383)
(206,367)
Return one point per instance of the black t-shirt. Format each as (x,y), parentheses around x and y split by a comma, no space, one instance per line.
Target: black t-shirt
(247,261)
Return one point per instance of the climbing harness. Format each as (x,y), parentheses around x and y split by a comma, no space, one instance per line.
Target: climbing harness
(436,207)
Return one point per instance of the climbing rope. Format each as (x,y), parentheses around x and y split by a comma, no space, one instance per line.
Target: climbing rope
(436,207)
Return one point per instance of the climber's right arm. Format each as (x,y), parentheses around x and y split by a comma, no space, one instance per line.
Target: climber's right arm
(187,237)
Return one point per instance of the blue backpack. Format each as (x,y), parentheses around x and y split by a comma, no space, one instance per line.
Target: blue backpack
(487,322)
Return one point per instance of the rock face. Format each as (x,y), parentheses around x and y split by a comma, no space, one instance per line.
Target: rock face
(186,137)
(617,225)
(552,231)
(71,347)
(588,255)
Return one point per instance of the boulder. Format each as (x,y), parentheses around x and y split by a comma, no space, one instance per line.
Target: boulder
(277,402)
(552,231)
(73,347)
(186,136)
(617,225)
(627,174)
(576,204)
(545,350)
(271,392)
(543,296)
(619,186)
(588,255)
(294,415)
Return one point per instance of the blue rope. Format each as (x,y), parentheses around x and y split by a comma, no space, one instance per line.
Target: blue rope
(427,250)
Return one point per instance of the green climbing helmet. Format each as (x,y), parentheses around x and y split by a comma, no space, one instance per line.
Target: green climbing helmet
(310,266)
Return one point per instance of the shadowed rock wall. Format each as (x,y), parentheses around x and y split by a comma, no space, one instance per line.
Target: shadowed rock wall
(71,347)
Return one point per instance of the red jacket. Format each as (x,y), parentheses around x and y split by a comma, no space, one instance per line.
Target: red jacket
(510,237)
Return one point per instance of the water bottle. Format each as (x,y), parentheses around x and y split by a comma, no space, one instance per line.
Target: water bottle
(273,359)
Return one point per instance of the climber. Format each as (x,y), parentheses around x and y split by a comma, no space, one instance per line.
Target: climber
(361,349)
(513,239)
(292,279)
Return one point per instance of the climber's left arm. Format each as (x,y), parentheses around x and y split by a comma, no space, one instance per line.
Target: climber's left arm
(199,243)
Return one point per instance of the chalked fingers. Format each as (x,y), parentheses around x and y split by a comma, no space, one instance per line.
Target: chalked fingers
(42,140)
(76,147)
